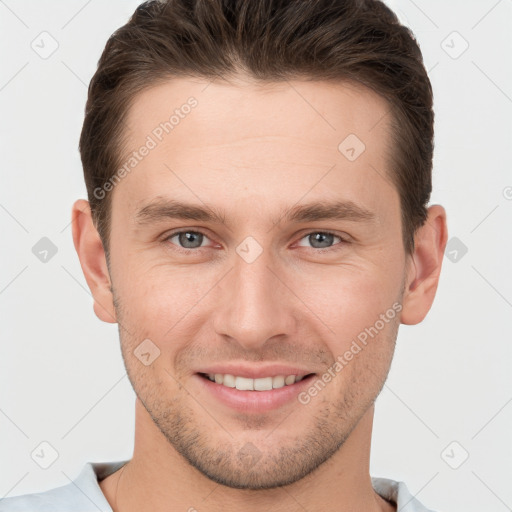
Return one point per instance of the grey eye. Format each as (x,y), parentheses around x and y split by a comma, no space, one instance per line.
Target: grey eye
(321,239)
(189,239)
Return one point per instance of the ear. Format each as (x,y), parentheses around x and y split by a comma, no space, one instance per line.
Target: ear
(424,267)
(92,258)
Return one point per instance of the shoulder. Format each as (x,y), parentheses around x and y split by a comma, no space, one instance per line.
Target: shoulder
(397,492)
(81,495)
(60,499)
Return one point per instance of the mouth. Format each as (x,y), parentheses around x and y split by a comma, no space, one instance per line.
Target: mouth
(256,396)
(260,384)
(239,386)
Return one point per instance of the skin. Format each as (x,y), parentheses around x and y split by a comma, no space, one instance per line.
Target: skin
(253,150)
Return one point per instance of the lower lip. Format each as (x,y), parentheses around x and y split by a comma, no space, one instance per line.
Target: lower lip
(254,401)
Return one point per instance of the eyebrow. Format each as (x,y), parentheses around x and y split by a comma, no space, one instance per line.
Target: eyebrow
(163,209)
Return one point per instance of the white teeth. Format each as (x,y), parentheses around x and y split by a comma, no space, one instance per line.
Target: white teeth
(229,381)
(289,380)
(244,384)
(278,382)
(261,384)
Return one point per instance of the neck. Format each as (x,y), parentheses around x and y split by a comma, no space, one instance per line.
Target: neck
(159,478)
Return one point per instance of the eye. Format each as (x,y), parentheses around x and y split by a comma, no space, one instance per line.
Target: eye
(321,239)
(187,239)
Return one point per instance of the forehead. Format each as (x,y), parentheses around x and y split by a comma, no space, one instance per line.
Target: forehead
(243,139)
(325,110)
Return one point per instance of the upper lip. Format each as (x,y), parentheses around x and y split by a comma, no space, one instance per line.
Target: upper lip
(242,369)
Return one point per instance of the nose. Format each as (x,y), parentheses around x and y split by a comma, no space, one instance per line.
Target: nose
(253,304)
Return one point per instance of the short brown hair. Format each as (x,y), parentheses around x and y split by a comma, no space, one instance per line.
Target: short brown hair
(267,40)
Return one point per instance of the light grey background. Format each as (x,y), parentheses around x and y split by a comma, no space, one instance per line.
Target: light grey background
(62,380)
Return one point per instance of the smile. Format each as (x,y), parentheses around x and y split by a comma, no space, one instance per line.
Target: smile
(247,384)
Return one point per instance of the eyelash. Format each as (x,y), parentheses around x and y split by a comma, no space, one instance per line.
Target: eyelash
(343,241)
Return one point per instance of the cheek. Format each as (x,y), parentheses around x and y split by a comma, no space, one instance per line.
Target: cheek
(349,298)
(163,301)
(364,315)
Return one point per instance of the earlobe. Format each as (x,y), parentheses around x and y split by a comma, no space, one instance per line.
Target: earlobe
(92,258)
(425,267)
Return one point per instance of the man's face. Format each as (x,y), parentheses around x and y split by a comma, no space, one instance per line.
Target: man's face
(259,292)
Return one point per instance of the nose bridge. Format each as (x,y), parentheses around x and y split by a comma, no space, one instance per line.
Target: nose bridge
(254,305)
